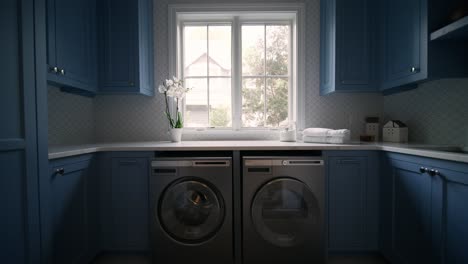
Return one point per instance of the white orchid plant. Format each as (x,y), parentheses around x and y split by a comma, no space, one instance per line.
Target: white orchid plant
(175,89)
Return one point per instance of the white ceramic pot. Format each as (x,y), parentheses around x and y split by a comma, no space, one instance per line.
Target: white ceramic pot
(176,134)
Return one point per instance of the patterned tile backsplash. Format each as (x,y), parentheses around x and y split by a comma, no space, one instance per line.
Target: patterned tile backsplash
(436,112)
(71,118)
(74,119)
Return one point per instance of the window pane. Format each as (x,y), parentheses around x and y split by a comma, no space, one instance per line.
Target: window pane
(253,50)
(196,103)
(220,102)
(276,102)
(219,50)
(253,102)
(195,49)
(277,50)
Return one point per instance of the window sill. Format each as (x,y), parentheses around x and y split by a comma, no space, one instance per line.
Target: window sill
(228,134)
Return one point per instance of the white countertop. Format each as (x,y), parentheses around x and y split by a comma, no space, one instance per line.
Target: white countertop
(56,152)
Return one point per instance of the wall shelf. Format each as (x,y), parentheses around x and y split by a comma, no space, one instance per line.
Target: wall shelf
(455,30)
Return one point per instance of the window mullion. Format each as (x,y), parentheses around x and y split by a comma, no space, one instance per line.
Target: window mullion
(208,72)
(236,90)
(264,76)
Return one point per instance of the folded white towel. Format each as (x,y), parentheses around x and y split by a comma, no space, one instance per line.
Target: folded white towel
(339,132)
(338,140)
(316,132)
(332,137)
(309,139)
(326,140)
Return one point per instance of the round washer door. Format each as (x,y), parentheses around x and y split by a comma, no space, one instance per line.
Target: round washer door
(285,212)
(191,211)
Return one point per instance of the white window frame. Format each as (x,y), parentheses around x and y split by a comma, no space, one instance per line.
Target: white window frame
(236,15)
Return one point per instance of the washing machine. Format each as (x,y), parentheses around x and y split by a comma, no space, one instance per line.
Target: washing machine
(192,210)
(283,210)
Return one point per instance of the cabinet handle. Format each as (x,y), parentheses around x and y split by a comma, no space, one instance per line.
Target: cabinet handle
(414,69)
(62,72)
(433,172)
(127,162)
(348,161)
(54,69)
(423,170)
(60,171)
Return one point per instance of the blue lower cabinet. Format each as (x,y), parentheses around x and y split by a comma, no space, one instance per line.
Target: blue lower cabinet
(424,216)
(125,201)
(410,213)
(68,238)
(450,212)
(352,201)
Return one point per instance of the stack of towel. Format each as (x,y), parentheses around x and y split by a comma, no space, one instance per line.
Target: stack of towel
(325,135)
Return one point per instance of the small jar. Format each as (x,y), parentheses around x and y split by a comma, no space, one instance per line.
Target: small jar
(288,134)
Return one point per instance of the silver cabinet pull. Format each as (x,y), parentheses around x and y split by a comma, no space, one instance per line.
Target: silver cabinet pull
(60,171)
(423,170)
(62,72)
(414,69)
(54,69)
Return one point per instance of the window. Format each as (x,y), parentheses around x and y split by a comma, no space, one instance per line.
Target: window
(241,66)
(265,74)
(206,54)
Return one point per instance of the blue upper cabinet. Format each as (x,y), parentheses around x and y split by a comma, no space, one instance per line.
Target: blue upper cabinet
(405,36)
(348,46)
(71,44)
(125,47)
(352,201)
(407,54)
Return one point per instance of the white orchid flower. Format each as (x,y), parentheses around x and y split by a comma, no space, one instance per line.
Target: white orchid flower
(162,88)
(169,83)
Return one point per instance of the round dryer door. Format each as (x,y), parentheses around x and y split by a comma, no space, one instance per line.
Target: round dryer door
(285,212)
(191,211)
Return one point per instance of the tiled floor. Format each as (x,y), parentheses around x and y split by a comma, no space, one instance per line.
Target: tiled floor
(137,259)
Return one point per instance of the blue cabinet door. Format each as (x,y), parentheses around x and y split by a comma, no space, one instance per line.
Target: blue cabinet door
(125,47)
(352,201)
(69,210)
(355,51)
(404,42)
(119,46)
(406,224)
(450,214)
(19,223)
(72,44)
(125,201)
(411,213)
(348,46)
(327,46)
